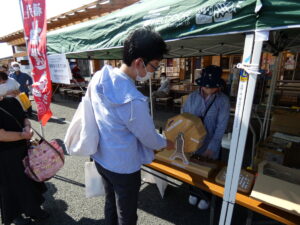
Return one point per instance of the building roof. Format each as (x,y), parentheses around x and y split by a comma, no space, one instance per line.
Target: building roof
(83,13)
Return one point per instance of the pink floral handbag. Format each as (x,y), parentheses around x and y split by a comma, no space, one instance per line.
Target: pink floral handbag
(43,160)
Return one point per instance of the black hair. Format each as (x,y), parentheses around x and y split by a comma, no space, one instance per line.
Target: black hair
(3,76)
(144,43)
(163,74)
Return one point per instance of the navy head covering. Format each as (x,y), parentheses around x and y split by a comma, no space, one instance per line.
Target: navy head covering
(210,77)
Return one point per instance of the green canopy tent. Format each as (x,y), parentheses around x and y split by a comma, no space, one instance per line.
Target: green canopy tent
(176,20)
(195,28)
(185,25)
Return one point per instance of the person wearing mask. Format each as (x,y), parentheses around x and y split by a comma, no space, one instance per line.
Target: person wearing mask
(24,80)
(213,107)
(127,134)
(164,89)
(18,193)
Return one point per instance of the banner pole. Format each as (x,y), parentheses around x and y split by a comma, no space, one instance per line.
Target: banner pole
(42,130)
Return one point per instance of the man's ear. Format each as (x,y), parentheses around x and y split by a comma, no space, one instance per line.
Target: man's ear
(138,62)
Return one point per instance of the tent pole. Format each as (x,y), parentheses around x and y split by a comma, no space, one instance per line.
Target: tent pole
(275,76)
(260,37)
(150,96)
(236,129)
(241,123)
(258,44)
(294,72)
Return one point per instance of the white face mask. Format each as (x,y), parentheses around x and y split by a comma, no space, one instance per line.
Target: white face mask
(16,68)
(146,77)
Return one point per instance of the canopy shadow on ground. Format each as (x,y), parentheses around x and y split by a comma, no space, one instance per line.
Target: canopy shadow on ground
(65,101)
(174,207)
(51,120)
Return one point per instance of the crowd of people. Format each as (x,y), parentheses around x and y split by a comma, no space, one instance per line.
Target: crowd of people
(127,133)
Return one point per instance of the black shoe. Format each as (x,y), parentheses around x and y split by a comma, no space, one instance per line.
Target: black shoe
(42,215)
(21,221)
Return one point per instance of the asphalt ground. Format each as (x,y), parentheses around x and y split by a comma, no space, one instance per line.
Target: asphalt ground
(66,201)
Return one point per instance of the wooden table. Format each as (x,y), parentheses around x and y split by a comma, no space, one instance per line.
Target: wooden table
(211,186)
(183,89)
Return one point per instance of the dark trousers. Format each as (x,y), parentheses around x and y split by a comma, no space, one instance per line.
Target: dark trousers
(121,196)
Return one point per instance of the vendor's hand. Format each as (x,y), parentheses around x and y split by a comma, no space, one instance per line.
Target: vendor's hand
(170,145)
(27,133)
(208,154)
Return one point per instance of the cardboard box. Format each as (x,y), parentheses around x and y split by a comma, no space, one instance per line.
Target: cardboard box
(265,154)
(278,150)
(278,186)
(192,128)
(204,170)
(286,122)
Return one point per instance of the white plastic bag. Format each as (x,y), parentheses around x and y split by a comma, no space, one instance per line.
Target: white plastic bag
(93,181)
(160,183)
(82,136)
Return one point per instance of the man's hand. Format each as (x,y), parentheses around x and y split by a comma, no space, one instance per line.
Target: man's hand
(170,145)
(208,154)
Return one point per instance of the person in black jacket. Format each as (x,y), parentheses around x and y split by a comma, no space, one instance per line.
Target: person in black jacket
(18,193)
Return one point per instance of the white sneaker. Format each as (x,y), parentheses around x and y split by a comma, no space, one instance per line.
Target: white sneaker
(203,204)
(193,200)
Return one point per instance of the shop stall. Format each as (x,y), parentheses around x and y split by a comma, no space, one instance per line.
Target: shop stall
(198,28)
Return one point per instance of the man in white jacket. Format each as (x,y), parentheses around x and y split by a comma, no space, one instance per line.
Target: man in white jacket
(127,134)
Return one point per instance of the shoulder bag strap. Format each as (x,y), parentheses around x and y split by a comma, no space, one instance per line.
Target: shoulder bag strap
(207,109)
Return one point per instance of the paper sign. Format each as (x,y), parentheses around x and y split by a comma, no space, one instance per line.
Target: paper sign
(59,69)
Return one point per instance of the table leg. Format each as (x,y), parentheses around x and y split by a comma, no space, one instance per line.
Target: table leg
(53,92)
(249,217)
(212,209)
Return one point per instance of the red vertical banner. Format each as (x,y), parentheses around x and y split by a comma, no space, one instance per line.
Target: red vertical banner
(35,30)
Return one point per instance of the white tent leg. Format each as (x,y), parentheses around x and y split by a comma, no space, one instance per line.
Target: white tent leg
(245,121)
(236,129)
(241,124)
(229,213)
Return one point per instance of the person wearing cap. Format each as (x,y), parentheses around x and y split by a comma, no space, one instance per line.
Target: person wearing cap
(213,107)
(23,79)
